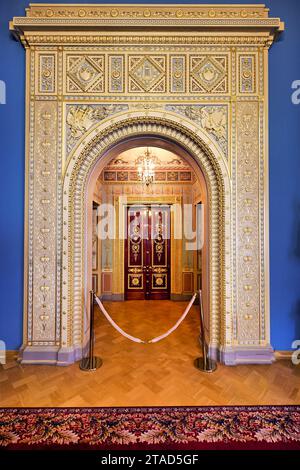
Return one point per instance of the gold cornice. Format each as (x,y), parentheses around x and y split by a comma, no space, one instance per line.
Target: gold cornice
(147,10)
(84,18)
(39,38)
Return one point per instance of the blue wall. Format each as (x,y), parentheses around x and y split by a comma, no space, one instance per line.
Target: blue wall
(284,174)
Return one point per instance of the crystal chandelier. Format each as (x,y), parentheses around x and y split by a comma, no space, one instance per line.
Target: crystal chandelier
(146,164)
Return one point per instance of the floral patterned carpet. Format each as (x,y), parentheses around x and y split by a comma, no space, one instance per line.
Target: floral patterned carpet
(229,427)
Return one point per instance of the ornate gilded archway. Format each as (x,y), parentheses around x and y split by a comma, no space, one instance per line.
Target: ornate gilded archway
(96,145)
(99,75)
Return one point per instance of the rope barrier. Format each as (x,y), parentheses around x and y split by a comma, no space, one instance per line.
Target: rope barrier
(159,338)
(92,363)
(113,323)
(138,340)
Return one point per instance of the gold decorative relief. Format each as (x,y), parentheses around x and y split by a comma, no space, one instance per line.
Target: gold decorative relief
(85,73)
(178,74)
(247,223)
(135,281)
(164,12)
(208,74)
(116,74)
(247,78)
(47,73)
(159,281)
(44,229)
(213,119)
(80,117)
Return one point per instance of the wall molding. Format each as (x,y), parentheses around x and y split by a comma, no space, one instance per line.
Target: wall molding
(283,355)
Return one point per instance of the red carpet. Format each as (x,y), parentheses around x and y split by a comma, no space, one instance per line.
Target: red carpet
(193,428)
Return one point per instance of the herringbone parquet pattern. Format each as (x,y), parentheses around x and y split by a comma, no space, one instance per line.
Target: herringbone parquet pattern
(148,374)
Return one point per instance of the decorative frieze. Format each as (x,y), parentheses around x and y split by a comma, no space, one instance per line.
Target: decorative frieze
(94,74)
(113,176)
(149,11)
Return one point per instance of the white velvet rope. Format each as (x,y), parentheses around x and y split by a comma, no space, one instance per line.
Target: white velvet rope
(138,340)
(111,321)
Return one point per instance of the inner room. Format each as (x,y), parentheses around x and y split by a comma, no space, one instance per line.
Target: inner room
(154,254)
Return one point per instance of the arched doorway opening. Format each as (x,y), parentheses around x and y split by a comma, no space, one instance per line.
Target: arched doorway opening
(177,190)
(103,144)
(123,262)
(145,243)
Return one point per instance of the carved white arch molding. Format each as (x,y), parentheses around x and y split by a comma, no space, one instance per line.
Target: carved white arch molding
(208,94)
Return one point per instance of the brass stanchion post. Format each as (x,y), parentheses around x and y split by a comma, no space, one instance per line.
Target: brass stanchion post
(91,363)
(204,363)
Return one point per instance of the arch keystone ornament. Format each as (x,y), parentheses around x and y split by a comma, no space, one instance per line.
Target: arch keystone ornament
(97,78)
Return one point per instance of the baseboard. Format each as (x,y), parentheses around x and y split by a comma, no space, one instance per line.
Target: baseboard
(238,355)
(9,358)
(52,355)
(180,297)
(112,297)
(12,353)
(121,297)
(280,355)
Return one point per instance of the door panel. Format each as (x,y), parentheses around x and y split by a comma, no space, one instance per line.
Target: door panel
(134,253)
(160,251)
(147,253)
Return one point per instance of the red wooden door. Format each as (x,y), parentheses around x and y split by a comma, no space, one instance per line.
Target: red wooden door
(147,253)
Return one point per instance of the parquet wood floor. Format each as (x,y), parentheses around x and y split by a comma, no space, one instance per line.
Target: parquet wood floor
(160,374)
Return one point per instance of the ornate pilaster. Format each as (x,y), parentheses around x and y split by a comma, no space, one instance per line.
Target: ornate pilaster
(41,303)
(248,268)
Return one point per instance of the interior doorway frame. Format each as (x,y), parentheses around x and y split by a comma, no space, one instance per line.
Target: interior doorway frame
(146,275)
(71,125)
(119,245)
(161,130)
